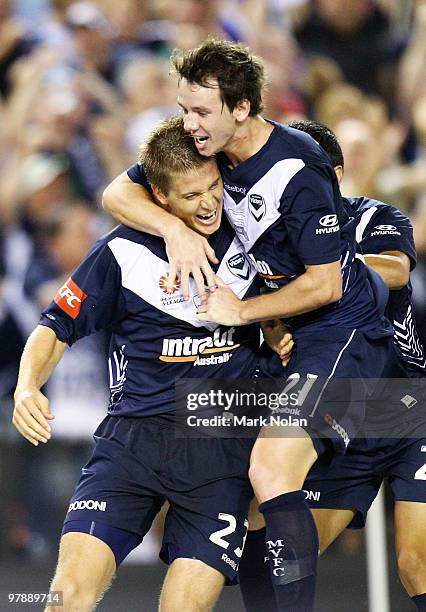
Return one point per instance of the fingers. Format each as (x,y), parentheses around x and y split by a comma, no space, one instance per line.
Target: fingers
(199,281)
(30,417)
(210,253)
(285,341)
(202,308)
(219,282)
(285,348)
(30,428)
(184,282)
(210,277)
(173,270)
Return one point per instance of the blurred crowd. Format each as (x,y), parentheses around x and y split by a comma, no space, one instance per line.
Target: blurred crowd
(83,82)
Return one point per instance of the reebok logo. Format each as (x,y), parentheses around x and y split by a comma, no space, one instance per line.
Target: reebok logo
(235,189)
(229,561)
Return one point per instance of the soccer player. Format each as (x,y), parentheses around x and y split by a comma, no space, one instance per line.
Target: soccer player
(283,200)
(124,286)
(386,238)
(344,494)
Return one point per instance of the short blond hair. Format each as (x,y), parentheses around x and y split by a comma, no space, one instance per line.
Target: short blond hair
(169,150)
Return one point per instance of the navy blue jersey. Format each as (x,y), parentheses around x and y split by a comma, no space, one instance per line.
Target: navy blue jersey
(122,286)
(285,205)
(380,228)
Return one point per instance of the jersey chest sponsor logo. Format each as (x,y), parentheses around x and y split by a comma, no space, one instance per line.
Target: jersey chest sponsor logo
(264,270)
(188,349)
(69,298)
(239,266)
(257,206)
(383,230)
(329,225)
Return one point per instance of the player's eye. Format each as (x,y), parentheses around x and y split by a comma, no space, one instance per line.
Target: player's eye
(214,185)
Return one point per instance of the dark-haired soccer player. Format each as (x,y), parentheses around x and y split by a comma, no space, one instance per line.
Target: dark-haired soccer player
(124,286)
(283,200)
(386,238)
(344,494)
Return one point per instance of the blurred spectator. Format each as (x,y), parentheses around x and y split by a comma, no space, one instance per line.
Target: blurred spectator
(357,35)
(15,42)
(83,81)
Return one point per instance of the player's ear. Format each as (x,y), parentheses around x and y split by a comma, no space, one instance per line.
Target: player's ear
(241,110)
(161,198)
(339,173)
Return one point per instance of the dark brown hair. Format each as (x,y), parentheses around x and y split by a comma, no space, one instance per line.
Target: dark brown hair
(240,75)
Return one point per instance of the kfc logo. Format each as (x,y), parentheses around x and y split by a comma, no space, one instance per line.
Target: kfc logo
(69,298)
(167,286)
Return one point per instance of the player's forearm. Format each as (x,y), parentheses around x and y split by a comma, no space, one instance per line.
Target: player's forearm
(131,204)
(394,270)
(41,354)
(305,294)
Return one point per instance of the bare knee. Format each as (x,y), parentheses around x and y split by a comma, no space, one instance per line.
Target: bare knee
(76,595)
(280,465)
(85,569)
(411,560)
(190,585)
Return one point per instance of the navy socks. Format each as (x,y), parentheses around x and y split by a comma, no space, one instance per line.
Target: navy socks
(255,580)
(292,548)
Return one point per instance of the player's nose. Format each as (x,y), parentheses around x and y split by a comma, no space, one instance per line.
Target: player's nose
(208,201)
(190,123)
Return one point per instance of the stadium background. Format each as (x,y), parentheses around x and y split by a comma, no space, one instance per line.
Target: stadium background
(81,84)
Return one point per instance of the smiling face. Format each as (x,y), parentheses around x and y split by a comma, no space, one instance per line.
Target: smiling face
(206,117)
(196,197)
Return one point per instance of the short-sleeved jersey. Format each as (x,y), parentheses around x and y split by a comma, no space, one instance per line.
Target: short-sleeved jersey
(122,286)
(285,205)
(380,228)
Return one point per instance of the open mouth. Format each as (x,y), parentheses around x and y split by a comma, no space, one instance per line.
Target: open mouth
(208,219)
(200,140)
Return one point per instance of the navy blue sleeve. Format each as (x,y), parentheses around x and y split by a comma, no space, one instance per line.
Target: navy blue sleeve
(389,230)
(90,300)
(309,205)
(136,173)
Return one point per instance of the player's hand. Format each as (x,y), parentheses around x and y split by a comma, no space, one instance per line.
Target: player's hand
(285,346)
(222,306)
(31,415)
(279,338)
(189,254)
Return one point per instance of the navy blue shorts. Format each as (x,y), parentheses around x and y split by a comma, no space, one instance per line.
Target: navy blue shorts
(354,481)
(137,464)
(330,378)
